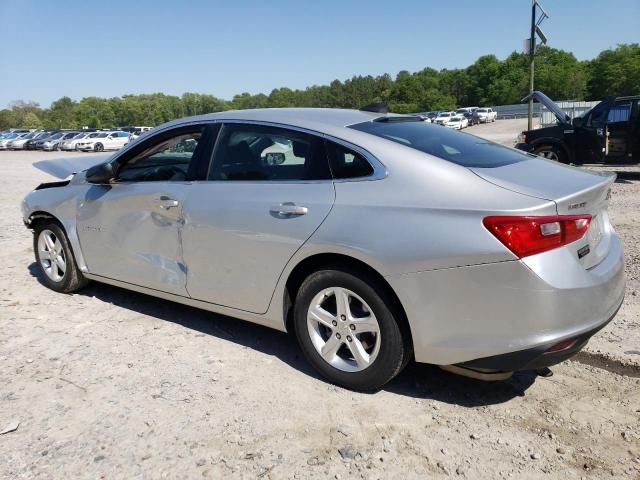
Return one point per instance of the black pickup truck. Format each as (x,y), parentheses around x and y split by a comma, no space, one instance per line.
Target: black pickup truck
(607,133)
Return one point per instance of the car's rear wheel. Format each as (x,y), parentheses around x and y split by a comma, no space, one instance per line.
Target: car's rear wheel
(98,147)
(55,259)
(551,152)
(348,330)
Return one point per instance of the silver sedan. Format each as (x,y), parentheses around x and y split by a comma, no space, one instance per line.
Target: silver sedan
(376,238)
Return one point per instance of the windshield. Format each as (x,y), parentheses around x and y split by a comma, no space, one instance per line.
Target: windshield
(79,135)
(445,114)
(56,136)
(460,148)
(462,110)
(482,110)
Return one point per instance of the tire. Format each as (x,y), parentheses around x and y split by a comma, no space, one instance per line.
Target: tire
(98,147)
(551,152)
(370,327)
(61,274)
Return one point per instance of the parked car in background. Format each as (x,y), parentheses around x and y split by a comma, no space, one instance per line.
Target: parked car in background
(425,117)
(520,272)
(444,117)
(53,142)
(72,143)
(104,141)
(457,122)
(609,132)
(136,130)
(32,144)
(6,138)
(486,115)
(462,111)
(19,143)
(50,140)
(472,118)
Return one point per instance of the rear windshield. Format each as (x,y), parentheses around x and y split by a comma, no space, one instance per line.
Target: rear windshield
(460,148)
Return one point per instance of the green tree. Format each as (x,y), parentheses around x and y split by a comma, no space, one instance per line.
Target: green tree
(60,114)
(31,120)
(615,72)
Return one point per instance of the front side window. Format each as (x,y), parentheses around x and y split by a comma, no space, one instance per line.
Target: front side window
(165,159)
(258,152)
(598,115)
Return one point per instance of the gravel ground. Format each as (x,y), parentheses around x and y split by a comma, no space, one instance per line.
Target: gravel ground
(109,383)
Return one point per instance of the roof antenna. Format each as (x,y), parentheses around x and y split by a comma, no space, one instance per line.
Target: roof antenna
(376,108)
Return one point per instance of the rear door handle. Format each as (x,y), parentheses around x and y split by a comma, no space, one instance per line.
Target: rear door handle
(289,209)
(165,202)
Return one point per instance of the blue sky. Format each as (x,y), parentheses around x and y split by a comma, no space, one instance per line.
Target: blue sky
(80,48)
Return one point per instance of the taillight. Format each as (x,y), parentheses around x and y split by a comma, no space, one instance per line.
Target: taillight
(526,236)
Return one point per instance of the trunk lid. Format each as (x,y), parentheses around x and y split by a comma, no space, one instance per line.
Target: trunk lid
(574,191)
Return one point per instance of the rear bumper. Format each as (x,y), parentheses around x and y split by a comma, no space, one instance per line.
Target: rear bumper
(536,357)
(459,315)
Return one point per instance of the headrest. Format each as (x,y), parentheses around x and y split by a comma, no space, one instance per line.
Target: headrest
(300,148)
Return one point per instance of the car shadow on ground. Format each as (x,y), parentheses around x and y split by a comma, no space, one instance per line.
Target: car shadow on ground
(626,176)
(417,380)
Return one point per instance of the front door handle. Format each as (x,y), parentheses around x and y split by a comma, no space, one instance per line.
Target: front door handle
(289,209)
(165,202)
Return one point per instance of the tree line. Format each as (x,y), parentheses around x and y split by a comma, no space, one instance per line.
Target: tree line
(488,81)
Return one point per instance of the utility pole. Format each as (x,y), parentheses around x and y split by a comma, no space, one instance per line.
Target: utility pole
(532,54)
(535,29)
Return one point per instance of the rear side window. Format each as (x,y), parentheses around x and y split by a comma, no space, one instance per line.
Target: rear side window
(459,148)
(258,152)
(620,112)
(346,163)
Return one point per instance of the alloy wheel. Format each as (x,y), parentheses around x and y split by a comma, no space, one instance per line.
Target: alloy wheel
(51,255)
(343,329)
(549,155)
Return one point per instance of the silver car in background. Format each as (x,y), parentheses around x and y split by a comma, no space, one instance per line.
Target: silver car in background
(54,141)
(18,143)
(8,137)
(71,144)
(376,238)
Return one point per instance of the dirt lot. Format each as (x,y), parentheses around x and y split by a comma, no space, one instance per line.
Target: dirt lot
(113,384)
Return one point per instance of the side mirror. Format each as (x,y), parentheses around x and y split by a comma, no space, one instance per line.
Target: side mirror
(101,173)
(578,121)
(274,158)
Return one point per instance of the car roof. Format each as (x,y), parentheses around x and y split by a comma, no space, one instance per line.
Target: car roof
(325,120)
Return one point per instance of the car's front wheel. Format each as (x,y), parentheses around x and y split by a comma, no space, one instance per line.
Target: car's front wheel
(551,152)
(55,259)
(98,147)
(349,330)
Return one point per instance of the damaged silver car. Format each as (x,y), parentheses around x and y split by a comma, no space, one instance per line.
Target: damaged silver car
(376,238)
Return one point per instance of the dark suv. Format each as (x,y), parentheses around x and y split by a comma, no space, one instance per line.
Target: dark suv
(609,132)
